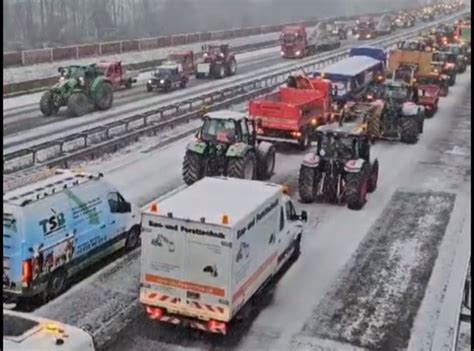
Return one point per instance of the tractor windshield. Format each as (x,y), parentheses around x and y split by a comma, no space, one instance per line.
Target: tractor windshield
(214,50)
(455,50)
(426,80)
(73,72)
(220,130)
(335,147)
(396,92)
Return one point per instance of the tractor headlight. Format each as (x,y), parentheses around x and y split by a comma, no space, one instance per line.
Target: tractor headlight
(162,81)
(322,152)
(149,81)
(61,79)
(81,81)
(298,53)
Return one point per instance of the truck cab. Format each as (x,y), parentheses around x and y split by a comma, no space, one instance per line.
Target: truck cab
(293,41)
(116,74)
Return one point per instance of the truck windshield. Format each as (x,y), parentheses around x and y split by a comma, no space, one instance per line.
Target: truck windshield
(339,88)
(289,37)
(218,130)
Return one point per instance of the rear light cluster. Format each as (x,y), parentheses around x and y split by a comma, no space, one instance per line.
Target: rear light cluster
(213,325)
(155,312)
(27,276)
(296,134)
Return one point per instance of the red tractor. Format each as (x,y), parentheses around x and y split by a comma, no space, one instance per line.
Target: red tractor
(117,74)
(218,62)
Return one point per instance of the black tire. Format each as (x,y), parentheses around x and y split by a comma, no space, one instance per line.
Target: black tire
(77,104)
(193,167)
(409,130)
(47,105)
(149,87)
(200,75)
(167,87)
(374,176)
(307,184)
(356,189)
(133,238)
(183,83)
(304,141)
(219,72)
(296,249)
(57,284)
(104,96)
(237,167)
(452,80)
(265,163)
(232,67)
(129,83)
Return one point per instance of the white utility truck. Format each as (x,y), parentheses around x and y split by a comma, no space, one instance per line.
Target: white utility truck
(208,249)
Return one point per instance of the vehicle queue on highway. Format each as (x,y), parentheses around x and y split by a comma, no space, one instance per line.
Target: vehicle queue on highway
(60,224)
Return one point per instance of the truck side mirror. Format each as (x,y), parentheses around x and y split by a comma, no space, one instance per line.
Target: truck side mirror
(304,216)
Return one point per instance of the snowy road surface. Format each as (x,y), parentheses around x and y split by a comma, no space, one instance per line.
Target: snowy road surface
(325,278)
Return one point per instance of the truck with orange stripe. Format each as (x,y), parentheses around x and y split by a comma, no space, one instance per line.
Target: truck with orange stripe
(210,248)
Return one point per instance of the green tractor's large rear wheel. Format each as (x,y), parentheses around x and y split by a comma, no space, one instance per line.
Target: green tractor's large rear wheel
(193,167)
(104,96)
(242,167)
(77,104)
(409,130)
(47,104)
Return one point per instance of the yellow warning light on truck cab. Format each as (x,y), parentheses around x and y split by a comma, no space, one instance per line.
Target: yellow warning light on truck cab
(225,219)
(285,189)
(154,207)
(52,327)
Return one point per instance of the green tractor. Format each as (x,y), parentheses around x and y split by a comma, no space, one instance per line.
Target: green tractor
(78,88)
(227,145)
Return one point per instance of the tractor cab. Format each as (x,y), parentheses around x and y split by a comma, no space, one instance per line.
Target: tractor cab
(341,145)
(227,128)
(215,52)
(399,92)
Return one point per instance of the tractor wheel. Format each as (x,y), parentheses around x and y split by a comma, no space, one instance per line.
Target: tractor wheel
(374,177)
(104,96)
(47,105)
(307,184)
(356,189)
(409,130)
(444,91)
(149,88)
(452,80)
(193,167)
(232,67)
(242,167)
(77,104)
(220,72)
(265,161)
(128,85)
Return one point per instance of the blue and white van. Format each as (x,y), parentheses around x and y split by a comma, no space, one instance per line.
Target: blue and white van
(57,226)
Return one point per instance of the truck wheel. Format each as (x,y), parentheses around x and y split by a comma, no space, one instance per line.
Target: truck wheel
(304,142)
(128,84)
(133,238)
(374,177)
(242,167)
(183,83)
(232,67)
(265,161)
(193,167)
(149,88)
(307,184)
(77,104)
(167,87)
(409,130)
(356,189)
(104,96)
(296,249)
(47,104)
(57,283)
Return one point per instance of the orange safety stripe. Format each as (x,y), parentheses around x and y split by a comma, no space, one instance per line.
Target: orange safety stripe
(185,285)
(254,277)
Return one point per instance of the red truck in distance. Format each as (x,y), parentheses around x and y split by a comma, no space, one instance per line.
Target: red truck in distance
(365,28)
(292,114)
(294,42)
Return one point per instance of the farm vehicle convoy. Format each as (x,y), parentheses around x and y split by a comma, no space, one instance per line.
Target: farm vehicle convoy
(330,108)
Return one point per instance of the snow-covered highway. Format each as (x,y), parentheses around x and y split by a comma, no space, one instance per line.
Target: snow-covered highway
(342,251)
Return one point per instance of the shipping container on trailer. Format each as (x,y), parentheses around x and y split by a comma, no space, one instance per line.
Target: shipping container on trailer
(208,249)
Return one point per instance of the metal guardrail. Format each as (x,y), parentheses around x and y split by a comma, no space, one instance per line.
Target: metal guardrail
(118,133)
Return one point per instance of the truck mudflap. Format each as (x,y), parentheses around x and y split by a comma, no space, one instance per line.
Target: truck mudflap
(211,326)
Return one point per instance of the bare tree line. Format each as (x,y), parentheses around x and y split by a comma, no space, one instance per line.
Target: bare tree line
(46,23)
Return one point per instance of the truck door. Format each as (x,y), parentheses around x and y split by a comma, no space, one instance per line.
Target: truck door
(293,224)
(117,222)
